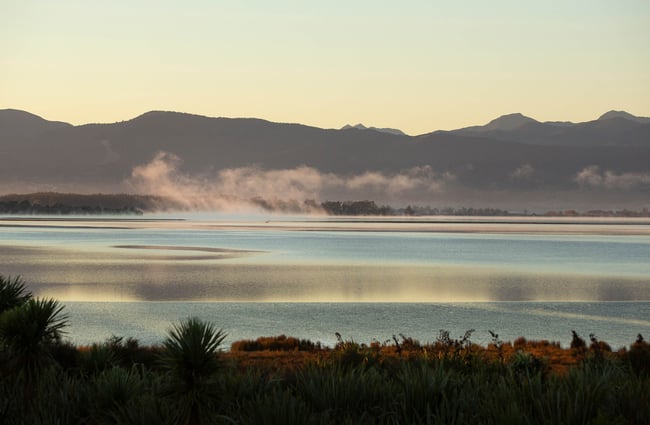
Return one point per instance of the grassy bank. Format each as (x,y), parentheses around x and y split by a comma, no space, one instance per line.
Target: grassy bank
(282,380)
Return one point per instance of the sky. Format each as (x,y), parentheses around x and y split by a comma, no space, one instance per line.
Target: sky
(414,65)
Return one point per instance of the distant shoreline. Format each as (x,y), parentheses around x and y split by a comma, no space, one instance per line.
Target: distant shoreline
(626,226)
(69,204)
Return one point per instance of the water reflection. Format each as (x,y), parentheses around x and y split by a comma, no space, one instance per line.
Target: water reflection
(73,276)
(186,261)
(364,279)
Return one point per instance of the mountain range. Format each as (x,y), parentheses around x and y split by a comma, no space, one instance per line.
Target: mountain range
(512,154)
(614,128)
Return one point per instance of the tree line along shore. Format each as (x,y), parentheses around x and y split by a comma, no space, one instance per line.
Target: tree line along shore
(189,379)
(53,203)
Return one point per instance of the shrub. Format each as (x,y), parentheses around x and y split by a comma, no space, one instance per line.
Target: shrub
(578,345)
(29,331)
(190,357)
(639,357)
(12,293)
(520,342)
(525,364)
(348,353)
(275,343)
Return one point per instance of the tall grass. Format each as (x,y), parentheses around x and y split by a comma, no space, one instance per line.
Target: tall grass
(189,380)
(424,390)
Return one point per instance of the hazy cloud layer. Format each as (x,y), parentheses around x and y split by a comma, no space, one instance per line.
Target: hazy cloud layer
(253,188)
(593,177)
(233,188)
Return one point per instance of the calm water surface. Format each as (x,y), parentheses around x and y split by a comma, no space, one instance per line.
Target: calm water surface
(311,278)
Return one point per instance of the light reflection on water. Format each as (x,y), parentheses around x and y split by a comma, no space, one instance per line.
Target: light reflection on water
(312,279)
(164,282)
(185,261)
(130,275)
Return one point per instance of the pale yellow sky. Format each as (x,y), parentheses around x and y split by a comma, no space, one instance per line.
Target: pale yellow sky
(417,66)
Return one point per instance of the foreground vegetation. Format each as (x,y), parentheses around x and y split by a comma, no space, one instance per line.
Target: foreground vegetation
(283,380)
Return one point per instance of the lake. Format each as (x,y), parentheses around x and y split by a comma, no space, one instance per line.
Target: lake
(311,277)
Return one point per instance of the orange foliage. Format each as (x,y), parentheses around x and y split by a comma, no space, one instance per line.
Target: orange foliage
(281,354)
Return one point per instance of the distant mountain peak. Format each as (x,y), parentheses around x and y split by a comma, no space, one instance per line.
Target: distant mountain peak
(360,126)
(509,122)
(505,123)
(18,123)
(156,114)
(625,115)
(18,114)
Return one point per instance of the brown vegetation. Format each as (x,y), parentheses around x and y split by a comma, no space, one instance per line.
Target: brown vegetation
(282,353)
